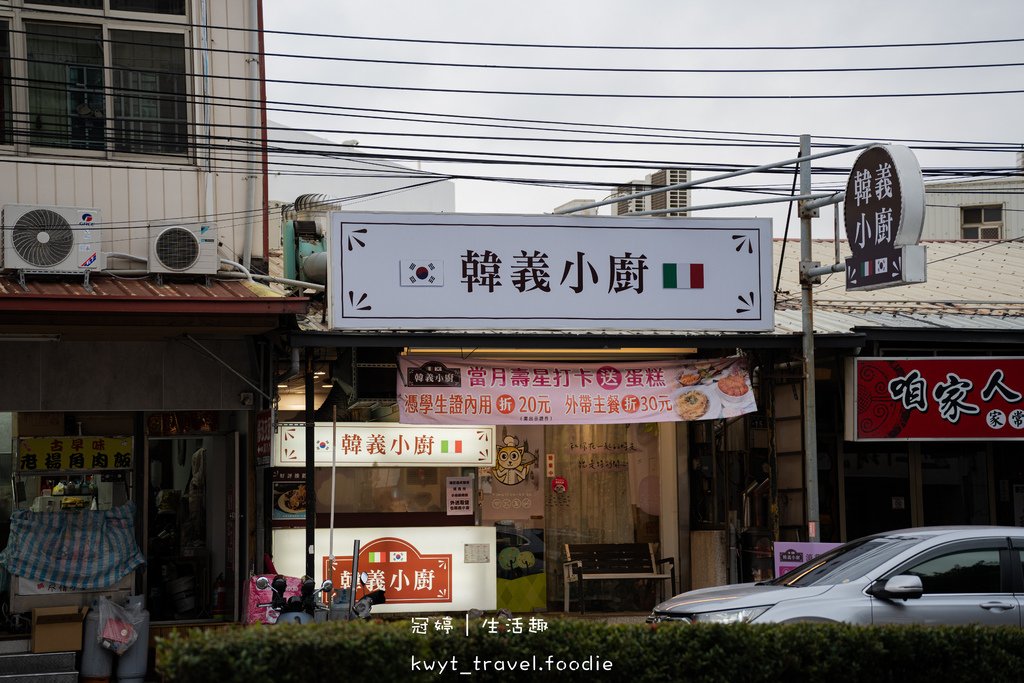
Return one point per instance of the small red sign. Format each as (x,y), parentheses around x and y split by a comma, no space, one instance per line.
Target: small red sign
(399,569)
(264,437)
(939,398)
(559,485)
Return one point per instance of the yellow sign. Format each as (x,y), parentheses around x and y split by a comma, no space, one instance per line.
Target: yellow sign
(70,453)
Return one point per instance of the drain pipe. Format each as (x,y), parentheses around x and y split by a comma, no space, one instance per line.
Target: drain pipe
(294,371)
(239,266)
(130,257)
(204,58)
(253,123)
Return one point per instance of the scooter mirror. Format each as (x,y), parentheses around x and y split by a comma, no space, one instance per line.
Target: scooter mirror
(327,586)
(363,577)
(263,583)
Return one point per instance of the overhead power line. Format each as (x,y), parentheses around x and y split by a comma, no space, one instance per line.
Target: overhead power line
(184,23)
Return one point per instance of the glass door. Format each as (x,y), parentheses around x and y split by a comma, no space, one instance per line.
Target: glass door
(877,489)
(954,483)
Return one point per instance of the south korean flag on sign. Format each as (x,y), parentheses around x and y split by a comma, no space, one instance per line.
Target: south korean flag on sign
(421,273)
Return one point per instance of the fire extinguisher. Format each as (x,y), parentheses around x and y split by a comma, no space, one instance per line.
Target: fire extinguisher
(219,597)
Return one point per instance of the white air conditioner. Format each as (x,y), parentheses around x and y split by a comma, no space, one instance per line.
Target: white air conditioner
(56,239)
(187,249)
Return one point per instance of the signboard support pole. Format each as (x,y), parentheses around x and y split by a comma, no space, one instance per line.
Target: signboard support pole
(310,465)
(807,317)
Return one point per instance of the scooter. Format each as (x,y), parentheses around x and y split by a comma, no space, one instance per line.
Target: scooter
(296,609)
(361,608)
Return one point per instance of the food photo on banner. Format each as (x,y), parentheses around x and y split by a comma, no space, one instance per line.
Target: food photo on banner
(509,392)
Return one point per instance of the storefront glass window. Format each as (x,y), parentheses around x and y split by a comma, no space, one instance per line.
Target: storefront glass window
(605,489)
(189,542)
(877,488)
(954,480)
(382,489)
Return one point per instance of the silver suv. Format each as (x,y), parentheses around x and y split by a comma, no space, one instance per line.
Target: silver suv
(928,575)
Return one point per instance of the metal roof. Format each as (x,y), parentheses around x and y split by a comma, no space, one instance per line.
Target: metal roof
(972,285)
(107,294)
(963,276)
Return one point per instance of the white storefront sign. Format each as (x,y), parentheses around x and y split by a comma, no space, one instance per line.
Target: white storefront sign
(361,444)
(408,271)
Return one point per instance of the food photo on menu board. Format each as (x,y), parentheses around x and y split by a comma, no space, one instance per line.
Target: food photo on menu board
(289,499)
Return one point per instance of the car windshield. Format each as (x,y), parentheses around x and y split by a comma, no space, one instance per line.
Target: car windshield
(847,562)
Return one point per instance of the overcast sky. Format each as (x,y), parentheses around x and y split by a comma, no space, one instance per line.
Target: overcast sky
(990,118)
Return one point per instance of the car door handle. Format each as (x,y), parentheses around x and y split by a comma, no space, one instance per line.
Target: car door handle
(997,606)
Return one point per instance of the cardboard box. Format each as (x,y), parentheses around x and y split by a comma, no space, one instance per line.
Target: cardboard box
(57,629)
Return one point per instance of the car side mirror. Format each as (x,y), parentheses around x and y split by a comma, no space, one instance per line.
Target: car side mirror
(901,587)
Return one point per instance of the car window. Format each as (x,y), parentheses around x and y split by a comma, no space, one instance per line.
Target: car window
(847,562)
(965,571)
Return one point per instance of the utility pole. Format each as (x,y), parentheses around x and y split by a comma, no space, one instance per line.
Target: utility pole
(810,275)
(807,318)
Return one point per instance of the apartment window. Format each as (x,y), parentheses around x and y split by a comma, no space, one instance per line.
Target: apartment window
(150,109)
(66,101)
(5,85)
(151,6)
(981,222)
(68,92)
(80,4)
(154,6)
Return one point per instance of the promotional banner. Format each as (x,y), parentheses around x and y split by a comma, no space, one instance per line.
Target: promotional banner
(939,398)
(455,391)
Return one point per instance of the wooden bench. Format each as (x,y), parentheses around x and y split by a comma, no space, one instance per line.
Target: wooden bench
(598,561)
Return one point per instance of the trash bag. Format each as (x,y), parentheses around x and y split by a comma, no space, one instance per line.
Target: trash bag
(117,628)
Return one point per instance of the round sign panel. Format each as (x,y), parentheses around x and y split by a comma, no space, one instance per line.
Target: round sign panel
(884,206)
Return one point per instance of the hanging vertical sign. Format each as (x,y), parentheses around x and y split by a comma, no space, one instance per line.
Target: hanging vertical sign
(883,214)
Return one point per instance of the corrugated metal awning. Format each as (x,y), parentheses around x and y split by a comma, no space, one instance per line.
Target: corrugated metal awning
(120,295)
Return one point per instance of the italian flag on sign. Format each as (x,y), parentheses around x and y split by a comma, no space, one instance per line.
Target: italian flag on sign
(682,275)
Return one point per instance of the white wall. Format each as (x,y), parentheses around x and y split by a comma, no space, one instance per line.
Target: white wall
(944,200)
(130,191)
(349,179)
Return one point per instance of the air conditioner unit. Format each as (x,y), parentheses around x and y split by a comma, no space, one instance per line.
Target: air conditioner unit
(55,239)
(186,249)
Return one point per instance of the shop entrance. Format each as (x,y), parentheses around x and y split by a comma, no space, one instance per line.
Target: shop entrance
(190,532)
(877,490)
(893,486)
(568,484)
(954,483)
